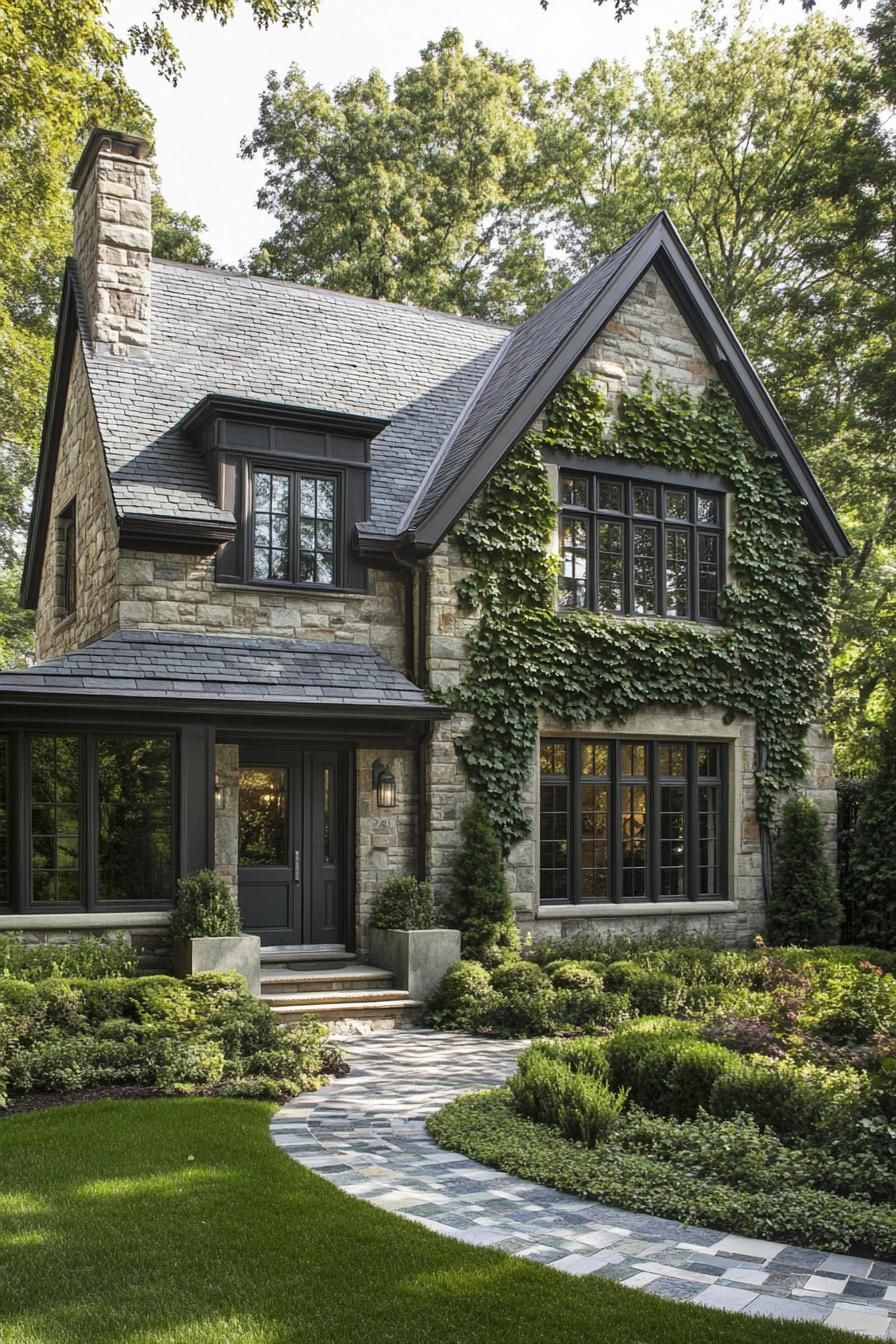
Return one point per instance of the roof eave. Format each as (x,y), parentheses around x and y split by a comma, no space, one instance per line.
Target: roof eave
(662,246)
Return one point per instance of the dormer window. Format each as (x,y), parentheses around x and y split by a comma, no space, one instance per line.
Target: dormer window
(297,484)
(294,527)
(634,547)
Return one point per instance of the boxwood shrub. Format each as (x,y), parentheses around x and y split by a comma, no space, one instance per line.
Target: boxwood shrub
(59,1035)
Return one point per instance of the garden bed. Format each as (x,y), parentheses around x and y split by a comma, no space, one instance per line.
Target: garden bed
(751,1092)
(65,1036)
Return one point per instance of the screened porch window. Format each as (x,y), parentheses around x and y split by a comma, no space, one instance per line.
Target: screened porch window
(625,821)
(638,549)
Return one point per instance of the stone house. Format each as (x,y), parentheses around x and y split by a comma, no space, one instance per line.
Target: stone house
(244,569)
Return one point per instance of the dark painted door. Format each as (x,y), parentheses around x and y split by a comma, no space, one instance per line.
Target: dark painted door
(290,842)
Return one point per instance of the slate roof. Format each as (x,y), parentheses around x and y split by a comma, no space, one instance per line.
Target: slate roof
(245,336)
(521,357)
(307,674)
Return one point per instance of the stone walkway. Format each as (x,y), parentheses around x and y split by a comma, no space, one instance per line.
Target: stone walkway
(365,1133)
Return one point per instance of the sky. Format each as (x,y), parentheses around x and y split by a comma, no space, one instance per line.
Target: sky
(200,123)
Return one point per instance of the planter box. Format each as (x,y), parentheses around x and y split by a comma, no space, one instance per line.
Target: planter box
(192,955)
(418,958)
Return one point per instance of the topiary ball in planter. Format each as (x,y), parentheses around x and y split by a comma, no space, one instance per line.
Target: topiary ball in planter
(404,939)
(207,933)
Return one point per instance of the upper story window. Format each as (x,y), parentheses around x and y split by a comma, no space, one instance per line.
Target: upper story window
(294,527)
(640,548)
(67,565)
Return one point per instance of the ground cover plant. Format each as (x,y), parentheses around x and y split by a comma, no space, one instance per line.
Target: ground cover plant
(179,1222)
(751,1091)
(67,1034)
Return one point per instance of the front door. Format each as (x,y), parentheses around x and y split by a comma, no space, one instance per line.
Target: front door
(291,887)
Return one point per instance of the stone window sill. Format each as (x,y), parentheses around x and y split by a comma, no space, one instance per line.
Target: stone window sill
(641,908)
(83,919)
(65,622)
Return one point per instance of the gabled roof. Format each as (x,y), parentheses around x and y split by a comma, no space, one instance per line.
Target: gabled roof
(312,676)
(457,393)
(538,355)
(221,333)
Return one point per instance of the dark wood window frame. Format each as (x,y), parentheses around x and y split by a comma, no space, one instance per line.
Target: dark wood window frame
(88,820)
(67,590)
(573,781)
(296,475)
(605,545)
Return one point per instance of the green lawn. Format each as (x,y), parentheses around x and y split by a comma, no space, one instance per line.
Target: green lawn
(180,1221)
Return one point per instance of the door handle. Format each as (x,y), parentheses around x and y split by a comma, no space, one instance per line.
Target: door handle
(297,865)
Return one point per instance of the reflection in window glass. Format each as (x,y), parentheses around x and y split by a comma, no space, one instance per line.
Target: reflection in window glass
(574,563)
(316,501)
(676,573)
(672,757)
(708,574)
(708,832)
(644,500)
(263,829)
(554,840)
(677,504)
(327,819)
(136,842)
(55,819)
(610,495)
(574,491)
(271,536)
(553,758)
(708,509)
(609,567)
(644,570)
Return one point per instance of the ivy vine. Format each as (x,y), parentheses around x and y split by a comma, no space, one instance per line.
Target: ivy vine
(766,659)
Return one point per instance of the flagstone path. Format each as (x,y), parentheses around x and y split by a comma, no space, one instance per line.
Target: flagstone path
(365,1133)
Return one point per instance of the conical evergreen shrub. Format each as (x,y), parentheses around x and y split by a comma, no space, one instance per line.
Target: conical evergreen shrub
(804,909)
(478,903)
(872,857)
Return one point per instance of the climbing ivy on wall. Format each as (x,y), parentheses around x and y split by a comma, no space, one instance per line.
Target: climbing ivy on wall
(766,659)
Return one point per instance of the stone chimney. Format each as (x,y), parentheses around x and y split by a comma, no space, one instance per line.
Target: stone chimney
(113,240)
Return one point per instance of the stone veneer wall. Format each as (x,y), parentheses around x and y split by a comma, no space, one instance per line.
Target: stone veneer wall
(179,592)
(80,475)
(385,836)
(647,335)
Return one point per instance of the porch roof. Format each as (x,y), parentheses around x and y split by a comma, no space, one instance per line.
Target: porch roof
(315,676)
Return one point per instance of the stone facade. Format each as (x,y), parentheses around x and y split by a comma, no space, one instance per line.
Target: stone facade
(647,336)
(227,812)
(385,838)
(178,592)
(80,476)
(113,242)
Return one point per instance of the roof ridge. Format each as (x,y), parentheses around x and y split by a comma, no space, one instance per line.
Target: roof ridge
(334,293)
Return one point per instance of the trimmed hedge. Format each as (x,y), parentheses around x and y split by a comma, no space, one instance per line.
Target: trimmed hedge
(646,1168)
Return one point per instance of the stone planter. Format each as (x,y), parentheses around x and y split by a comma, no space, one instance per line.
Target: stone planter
(242,954)
(418,958)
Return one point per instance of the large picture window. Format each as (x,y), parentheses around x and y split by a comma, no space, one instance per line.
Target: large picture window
(100,814)
(294,517)
(627,821)
(635,548)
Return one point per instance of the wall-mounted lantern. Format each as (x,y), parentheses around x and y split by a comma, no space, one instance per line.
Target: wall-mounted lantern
(384,784)
(219,793)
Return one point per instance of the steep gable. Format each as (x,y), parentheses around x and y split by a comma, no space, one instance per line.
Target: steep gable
(541,354)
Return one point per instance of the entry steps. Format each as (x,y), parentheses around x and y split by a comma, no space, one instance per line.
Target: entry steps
(332,985)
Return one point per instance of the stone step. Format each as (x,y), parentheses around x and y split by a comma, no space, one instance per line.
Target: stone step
(324,954)
(324,978)
(353,1018)
(349,996)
